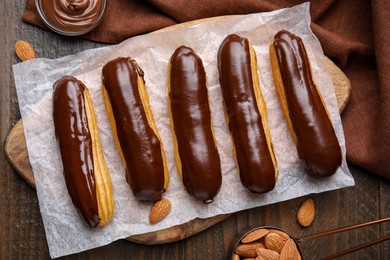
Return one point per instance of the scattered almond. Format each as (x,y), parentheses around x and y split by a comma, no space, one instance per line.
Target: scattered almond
(235,257)
(274,242)
(24,50)
(254,235)
(248,250)
(306,213)
(290,251)
(159,210)
(266,254)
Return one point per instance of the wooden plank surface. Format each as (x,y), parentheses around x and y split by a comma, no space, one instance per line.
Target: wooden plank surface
(21,230)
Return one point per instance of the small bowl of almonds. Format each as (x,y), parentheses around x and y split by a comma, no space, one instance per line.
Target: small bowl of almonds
(266,243)
(273,243)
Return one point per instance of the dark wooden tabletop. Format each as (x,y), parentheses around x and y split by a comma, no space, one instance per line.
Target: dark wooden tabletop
(22,233)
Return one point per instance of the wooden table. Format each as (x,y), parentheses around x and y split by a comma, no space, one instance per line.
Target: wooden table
(22,233)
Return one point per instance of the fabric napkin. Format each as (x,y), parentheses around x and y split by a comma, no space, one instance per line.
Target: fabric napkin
(353,33)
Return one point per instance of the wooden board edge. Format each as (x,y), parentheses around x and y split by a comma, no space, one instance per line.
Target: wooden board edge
(341,84)
(15,149)
(178,232)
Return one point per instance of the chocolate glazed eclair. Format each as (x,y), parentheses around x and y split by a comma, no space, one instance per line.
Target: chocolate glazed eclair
(85,171)
(196,155)
(246,114)
(134,129)
(303,106)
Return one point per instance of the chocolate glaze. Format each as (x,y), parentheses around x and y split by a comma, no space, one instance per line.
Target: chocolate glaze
(140,146)
(72,15)
(74,139)
(257,171)
(191,116)
(316,140)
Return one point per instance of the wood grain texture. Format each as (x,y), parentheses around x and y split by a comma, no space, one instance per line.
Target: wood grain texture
(22,235)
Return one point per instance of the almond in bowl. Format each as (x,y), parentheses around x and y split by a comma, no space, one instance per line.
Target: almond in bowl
(266,243)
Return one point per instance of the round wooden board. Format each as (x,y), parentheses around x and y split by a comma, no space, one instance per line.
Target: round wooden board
(16,153)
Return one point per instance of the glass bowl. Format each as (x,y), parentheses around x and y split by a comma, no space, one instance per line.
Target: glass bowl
(76,25)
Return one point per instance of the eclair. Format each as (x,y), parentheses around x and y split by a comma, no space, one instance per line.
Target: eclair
(303,106)
(246,114)
(134,129)
(86,175)
(196,155)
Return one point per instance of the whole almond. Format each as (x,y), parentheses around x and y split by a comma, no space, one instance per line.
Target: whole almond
(248,250)
(266,254)
(280,233)
(274,242)
(306,213)
(24,50)
(159,210)
(290,251)
(254,235)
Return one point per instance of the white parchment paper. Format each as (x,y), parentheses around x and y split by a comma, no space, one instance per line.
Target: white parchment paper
(65,232)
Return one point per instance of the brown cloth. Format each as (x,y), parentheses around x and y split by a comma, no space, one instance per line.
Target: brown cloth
(355,34)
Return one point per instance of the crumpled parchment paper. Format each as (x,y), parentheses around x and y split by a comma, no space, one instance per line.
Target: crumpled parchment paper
(65,232)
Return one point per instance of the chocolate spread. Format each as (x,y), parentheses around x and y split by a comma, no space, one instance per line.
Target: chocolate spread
(316,140)
(140,146)
(191,116)
(257,171)
(72,15)
(74,139)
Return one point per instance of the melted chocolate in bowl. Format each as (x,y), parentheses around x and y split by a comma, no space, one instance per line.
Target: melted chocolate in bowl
(71,17)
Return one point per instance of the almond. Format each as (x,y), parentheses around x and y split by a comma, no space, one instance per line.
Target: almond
(235,257)
(248,250)
(306,213)
(280,233)
(290,251)
(266,254)
(24,50)
(254,235)
(159,210)
(274,242)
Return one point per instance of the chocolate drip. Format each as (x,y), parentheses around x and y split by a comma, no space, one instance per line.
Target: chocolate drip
(257,171)
(191,116)
(316,140)
(140,146)
(73,136)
